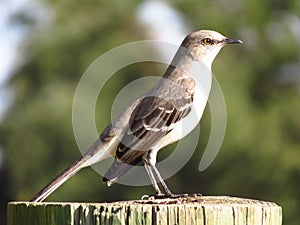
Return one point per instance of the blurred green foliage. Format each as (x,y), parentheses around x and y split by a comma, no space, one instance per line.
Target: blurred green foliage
(260,156)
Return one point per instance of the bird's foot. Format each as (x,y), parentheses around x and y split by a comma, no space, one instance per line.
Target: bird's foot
(152,197)
(162,196)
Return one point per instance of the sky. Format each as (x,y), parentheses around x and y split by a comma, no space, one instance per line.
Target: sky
(10,39)
(163,22)
(13,38)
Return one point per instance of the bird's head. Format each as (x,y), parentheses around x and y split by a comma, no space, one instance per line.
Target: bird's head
(204,45)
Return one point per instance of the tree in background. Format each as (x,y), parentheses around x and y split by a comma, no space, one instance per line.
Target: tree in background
(260,154)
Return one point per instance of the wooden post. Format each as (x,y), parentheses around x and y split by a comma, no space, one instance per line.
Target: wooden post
(207,210)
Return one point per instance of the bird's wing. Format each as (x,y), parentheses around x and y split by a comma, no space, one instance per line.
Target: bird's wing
(151,120)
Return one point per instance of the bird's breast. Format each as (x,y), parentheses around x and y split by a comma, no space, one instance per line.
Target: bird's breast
(189,122)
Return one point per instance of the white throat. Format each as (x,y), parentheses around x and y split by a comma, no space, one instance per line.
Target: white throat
(209,58)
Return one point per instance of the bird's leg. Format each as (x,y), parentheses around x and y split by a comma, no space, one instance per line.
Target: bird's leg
(162,182)
(168,193)
(152,173)
(152,179)
(149,159)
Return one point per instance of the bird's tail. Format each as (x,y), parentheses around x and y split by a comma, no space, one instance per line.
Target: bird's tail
(99,151)
(59,180)
(118,169)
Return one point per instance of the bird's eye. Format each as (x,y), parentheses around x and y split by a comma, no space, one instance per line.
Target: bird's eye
(207,41)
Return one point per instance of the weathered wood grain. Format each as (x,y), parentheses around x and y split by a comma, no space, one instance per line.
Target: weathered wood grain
(207,210)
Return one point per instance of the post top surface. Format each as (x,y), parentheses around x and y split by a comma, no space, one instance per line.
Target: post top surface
(199,200)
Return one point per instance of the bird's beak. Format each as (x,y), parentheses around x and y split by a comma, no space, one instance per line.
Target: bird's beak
(231,41)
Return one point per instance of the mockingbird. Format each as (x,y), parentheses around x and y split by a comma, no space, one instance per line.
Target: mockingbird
(154,120)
